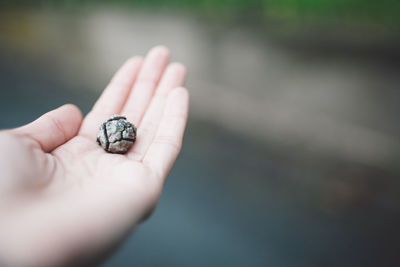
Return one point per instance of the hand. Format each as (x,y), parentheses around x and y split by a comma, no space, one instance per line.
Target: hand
(63,199)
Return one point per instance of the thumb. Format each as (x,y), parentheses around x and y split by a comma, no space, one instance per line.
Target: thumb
(54,128)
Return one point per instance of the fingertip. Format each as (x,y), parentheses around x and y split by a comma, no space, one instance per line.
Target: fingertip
(134,60)
(71,117)
(159,50)
(178,67)
(73,111)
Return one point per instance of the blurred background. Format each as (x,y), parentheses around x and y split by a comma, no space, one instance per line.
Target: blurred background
(292,152)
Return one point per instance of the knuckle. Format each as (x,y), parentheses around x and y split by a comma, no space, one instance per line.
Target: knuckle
(134,60)
(178,66)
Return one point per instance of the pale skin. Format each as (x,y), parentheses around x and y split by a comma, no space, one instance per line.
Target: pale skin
(63,199)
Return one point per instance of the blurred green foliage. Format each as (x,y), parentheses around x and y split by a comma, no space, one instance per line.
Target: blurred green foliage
(376,11)
(366,10)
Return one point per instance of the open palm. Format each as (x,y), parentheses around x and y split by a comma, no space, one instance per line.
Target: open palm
(65,201)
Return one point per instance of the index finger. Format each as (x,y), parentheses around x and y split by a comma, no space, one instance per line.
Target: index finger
(113,97)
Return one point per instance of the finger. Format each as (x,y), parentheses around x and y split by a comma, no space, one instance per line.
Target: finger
(113,97)
(173,77)
(167,143)
(53,128)
(149,76)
